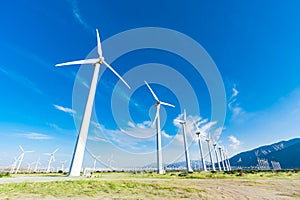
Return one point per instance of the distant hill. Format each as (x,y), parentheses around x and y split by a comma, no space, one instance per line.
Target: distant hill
(284,152)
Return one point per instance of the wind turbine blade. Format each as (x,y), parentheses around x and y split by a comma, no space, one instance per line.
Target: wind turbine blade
(21,148)
(167,104)
(48,154)
(79,62)
(153,94)
(55,151)
(156,114)
(195,125)
(29,151)
(99,44)
(116,73)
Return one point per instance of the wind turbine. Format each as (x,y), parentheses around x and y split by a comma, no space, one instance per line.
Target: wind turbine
(210,156)
(14,165)
(200,147)
(78,154)
(52,159)
(110,160)
(95,161)
(226,160)
(215,149)
(222,160)
(186,149)
(29,167)
(21,158)
(37,163)
(158,131)
(63,165)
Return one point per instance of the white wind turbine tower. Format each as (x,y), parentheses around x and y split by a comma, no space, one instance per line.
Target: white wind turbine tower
(158,131)
(110,160)
(222,160)
(29,167)
(227,161)
(209,150)
(186,148)
(52,159)
(198,133)
(215,149)
(63,165)
(14,165)
(37,163)
(78,154)
(21,158)
(95,161)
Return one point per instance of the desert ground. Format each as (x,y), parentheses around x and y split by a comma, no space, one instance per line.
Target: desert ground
(125,186)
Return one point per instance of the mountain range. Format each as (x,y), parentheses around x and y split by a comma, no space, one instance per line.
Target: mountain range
(286,153)
(280,155)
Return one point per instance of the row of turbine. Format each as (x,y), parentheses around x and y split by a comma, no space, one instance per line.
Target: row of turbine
(78,155)
(18,161)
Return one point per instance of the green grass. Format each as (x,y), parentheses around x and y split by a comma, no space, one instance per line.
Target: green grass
(5,175)
(98,187)
(143,185)
(238,174)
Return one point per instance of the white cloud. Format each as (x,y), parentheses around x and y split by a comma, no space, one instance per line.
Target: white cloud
(233,105)
(77,15)
(196,123)
(235,92)
(64,109)
(36,136)
(235,143)
(131,124)
(97,138)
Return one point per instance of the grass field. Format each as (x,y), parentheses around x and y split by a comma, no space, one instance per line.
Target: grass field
(175,185)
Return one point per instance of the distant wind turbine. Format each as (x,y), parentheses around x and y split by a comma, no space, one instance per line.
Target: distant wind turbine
(110,160)
(210,156)
(78,154)
(14,165)
(37,163)
(95,161)
(200,147)
(222,160)
(186,148)
(52,159)
(21,157)
(215,149)
(158,137)
(63,165)
(226,161)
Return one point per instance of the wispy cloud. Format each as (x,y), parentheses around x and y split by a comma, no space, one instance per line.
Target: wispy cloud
(78,17)
(64,109)
(21,79)
(233,105)
(35,136)
(235,143)
(97,138)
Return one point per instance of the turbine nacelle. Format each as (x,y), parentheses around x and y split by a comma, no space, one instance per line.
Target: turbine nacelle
(158,102)
(101,61)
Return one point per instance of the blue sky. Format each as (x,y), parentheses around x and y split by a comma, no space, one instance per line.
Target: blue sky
(254,45)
